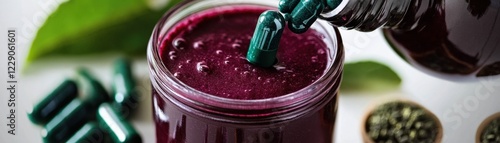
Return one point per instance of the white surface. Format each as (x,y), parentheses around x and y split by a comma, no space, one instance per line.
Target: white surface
(459,106)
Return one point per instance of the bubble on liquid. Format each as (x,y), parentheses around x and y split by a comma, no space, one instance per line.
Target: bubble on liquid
(321,51)
(254,70)
(172,53)
(279,67)
(268,80)
(236,69)
(177,74)
(198,45)
(228,57)
(317,76)
(190,28)
(179,43)
(245,73)
(188,61)
(236,46)
(226,62)
(202,67)
(172,57)
(218,52)
(180,66)
(314,59)
(259,78)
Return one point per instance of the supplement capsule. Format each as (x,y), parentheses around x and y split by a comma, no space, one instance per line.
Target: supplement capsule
(46,109)
(287,6)
(265,41)
(93,91)
(304,15)
(332,4)
(89,133)
(116,126)
(125,96)
(67,122)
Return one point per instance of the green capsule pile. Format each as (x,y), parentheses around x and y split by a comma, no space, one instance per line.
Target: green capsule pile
(54,102)
(81,110)
(300,15)
(303,13)
(401,122)
(491,133)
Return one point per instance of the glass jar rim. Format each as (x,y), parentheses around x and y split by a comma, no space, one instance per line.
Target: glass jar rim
(160,75)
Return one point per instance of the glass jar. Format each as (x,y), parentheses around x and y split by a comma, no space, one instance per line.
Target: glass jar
(184,114)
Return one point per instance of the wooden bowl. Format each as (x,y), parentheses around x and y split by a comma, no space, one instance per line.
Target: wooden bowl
(484,124)
(368,139)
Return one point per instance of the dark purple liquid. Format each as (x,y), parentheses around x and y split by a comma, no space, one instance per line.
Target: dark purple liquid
(208,53)
(217,66)
(452,38)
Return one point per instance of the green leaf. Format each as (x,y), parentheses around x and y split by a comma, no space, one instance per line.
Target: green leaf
(80,27)
(368,76)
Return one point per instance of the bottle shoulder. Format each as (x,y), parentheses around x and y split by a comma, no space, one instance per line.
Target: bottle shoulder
(452,37)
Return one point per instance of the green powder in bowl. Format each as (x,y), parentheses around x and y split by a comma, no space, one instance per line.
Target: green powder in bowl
(491,132)
(402,122)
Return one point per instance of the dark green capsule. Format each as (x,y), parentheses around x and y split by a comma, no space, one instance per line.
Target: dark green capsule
(304,15)
(67,121)
(332,4)
(287,6)
(116,126)
(125,96)
(266,38)
(93,91)
(54,102)
(88,133)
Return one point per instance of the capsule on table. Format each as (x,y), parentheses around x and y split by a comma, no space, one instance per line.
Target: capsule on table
(46,109)
(287,6)
(116,126)
(304,15)
(93,91)
(125,96)
(266,39)
(67,121)
(88,133)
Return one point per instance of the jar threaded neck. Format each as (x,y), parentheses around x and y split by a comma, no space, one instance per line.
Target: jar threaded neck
(368,15)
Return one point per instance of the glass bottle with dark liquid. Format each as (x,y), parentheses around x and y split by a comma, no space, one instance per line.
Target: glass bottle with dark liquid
(450,39)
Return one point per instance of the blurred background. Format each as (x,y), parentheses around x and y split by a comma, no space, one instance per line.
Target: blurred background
(93,34)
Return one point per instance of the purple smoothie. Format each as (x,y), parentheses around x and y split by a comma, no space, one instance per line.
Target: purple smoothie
(206,52)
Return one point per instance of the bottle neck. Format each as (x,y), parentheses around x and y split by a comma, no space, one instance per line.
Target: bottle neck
(368,15)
